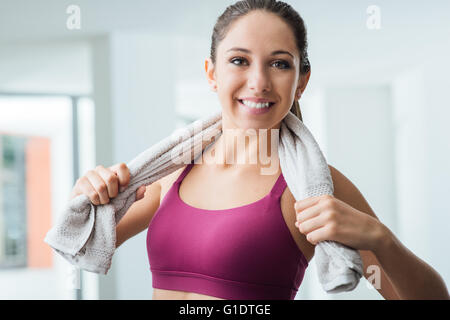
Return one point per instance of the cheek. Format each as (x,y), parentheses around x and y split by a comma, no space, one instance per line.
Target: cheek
(286,86)
(230,86)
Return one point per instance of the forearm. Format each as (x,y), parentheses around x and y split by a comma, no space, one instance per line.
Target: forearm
(411,277)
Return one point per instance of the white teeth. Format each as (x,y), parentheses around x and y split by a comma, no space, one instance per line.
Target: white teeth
(255,105)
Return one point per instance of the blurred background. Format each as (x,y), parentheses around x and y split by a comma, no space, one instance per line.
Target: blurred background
(84,83)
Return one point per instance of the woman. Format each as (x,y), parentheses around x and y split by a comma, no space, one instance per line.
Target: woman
(251,238)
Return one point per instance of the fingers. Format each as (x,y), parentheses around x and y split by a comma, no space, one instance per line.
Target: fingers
(313,218)
(312,224)
(140,193)
(123,173)
(88,189)
(99,186)
(318,235)
(309,213)
(111,180)
(305,203)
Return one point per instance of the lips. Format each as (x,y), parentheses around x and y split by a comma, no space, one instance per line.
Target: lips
(256,100)
(255,111)
(262,101)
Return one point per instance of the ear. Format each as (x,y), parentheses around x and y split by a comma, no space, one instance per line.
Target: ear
(210,74)
(302,82)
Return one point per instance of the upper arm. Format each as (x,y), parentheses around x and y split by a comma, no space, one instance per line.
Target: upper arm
(139,215)
(347,192)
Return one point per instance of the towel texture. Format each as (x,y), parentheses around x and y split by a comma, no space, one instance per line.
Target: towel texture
(85,234)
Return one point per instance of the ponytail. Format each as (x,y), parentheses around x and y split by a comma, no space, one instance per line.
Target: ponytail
(295,109)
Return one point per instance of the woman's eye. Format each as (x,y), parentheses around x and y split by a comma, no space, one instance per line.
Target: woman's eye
(237,59)
(285,65)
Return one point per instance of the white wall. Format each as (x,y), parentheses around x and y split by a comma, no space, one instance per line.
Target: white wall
(437,106)
(48,66)
(411,161)
(423,152)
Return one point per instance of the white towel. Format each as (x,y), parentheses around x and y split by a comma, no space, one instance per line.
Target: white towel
(85,234)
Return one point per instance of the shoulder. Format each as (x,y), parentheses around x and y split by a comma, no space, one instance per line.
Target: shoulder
(166,182)
(346,191)
(341,184)
(343,187)
(171,177)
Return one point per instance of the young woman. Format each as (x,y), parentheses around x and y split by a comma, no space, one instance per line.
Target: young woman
(223,230)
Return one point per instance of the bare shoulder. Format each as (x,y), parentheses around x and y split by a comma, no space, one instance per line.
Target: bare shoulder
(155,192)
(166,182)
(163,181)
(346,191)
(170,178)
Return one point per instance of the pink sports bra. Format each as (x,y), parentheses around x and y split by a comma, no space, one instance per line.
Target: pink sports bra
(243,253)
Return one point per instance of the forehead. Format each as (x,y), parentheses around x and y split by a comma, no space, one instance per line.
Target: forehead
(260,32)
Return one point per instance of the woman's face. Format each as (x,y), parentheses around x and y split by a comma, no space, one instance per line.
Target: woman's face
(257,59)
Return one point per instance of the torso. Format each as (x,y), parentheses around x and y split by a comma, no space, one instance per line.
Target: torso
(216,196)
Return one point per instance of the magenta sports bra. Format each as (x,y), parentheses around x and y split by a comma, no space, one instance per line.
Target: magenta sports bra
(243,253)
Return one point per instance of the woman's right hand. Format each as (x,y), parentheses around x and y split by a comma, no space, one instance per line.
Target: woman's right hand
(101,184)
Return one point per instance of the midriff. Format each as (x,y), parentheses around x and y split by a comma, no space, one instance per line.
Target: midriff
(163,294)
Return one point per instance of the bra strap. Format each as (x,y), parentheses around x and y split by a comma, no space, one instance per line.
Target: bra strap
(279,186)
(184,173)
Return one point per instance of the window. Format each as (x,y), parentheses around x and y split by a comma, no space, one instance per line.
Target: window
(13,218)
(38,165)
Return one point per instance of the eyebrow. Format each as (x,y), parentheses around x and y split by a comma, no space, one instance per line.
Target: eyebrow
(273,52)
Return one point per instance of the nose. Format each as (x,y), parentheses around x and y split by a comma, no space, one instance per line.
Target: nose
(259,79)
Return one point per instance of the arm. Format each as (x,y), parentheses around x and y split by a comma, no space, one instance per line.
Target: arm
(411,276)
(139,215)
(416,281)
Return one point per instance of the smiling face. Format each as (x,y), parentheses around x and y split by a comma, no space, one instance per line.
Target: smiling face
(257,59)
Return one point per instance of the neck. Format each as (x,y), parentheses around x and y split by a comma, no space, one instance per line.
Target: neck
(245,149)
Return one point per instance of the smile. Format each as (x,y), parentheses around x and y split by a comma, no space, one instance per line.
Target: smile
(255,108)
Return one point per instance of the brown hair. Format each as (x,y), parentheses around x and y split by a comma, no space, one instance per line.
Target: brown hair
(281,9)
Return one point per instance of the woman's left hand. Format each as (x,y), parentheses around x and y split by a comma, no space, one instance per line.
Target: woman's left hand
(328,218)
